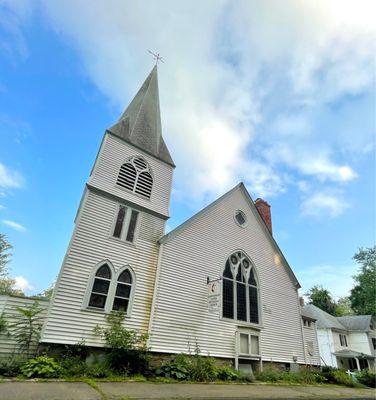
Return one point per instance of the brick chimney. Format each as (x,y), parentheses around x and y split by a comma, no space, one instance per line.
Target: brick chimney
(301,301)
(264,210)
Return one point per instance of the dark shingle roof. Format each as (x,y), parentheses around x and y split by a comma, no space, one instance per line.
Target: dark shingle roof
(324,320)
(140,123)
(356,322)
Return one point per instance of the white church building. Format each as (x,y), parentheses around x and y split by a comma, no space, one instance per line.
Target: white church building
(219,279)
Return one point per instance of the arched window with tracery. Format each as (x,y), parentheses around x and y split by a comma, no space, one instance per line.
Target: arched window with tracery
(135,175)
(100,288)
(123,291)
(240,289)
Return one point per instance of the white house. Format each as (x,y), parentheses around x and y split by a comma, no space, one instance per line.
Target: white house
(120,259)
(344,342)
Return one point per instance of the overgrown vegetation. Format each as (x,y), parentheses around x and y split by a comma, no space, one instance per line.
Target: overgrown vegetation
(128,351)
(306,376)
(366,377)
(27,327)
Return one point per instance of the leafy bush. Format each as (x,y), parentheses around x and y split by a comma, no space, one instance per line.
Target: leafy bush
(128,349)
(269,374)
(227,373)
(171,370)
(11,366)
(27,327)
(195,368)
(366,377)
(203,369)
(337,376)
(41,367)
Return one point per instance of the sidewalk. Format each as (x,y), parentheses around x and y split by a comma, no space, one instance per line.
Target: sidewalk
(140,390)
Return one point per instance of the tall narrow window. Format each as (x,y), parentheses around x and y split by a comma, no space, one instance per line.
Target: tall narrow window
(119,222)
(240,289)
(123,291)
(135,175)
(100,288)
(132,226)
(125,224)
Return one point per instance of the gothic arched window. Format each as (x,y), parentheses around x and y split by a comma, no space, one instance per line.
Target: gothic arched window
(240,289)
(135,175)
(123,291)
(101,286)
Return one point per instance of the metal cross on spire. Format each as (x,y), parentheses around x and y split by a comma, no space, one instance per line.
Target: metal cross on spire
(157,57)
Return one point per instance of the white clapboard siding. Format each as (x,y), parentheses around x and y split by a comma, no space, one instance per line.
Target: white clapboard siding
(200,250)
(113,153)
(310,337)
(8,304)
(68,322)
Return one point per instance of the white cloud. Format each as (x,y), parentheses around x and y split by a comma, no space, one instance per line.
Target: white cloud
(322,204)
(14,225)
(327,276)
(9,179)
(2,207)
(22,284)
(244,84)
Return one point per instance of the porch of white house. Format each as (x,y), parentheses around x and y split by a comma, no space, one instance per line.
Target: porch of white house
(354,361)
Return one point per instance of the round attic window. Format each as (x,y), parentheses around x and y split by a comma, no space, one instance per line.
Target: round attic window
(240,218)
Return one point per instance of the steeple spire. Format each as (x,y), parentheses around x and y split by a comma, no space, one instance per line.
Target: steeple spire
(140,124)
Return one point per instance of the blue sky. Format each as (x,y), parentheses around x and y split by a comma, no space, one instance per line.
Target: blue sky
(251,91)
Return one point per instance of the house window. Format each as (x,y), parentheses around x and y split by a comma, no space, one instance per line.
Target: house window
(248,344)
(343,340)
(240,289)
(125,224)
(307,323)
(100,287)
(135,175)
(123,291)
(374,343)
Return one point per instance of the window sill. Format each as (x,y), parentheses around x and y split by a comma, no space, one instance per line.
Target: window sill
(100,311)
(249,357)
(242,323)
(118,240)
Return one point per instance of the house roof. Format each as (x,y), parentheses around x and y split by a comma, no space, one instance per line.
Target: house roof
(166,238)
(351,354)
(348,323)
(306,313)
(324,320)
(140,124)
(356,322)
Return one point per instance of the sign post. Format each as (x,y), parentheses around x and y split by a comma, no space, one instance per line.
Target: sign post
(214,296)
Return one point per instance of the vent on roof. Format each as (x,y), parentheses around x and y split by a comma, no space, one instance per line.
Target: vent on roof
(135,175)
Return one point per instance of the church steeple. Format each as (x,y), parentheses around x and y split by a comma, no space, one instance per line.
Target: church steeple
(140,124)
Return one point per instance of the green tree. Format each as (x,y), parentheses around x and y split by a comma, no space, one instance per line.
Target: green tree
(322,298)
(363,294)
(343,307)
(27,327)
(6,282)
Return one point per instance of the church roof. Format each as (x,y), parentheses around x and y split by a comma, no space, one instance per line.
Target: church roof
(140,124)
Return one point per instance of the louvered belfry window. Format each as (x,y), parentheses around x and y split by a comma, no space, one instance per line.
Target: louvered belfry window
(135,175)
(240,289)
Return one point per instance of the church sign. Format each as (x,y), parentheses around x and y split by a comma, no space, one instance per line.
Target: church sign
(214,296)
